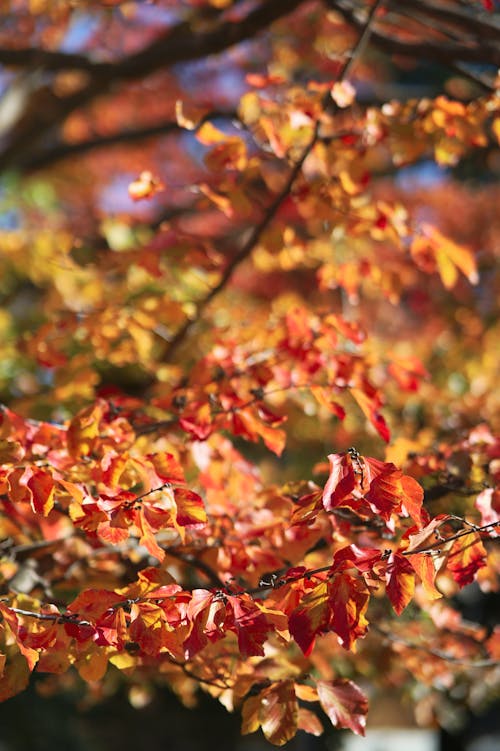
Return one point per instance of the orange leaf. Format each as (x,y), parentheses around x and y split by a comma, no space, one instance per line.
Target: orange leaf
(92,666)
(348,598)
(423,565)
(434,248)
(309,722)
(145,186)
(83,430)
(400,582)
(42,487)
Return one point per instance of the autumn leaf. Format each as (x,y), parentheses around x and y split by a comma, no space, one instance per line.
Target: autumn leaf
(348,599)
(466,557)
(309,722)
(30,656)
(250,624)
(145,186)
(370,407)
(344,703)
(42,487)
(400,579)
(279,713)
(448,256)
(11,452)
(310,617)
(15,677)
(83,430)
(341,481)
(190,508)
(275,709)
(92,666)
(424,567)
(167,467)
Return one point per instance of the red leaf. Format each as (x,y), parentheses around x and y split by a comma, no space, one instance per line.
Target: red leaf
(198,424)
(344,703)
(310,617)
(207,614)
(341,481)
(250,625)
(93,603)
(348,599)
(385,493)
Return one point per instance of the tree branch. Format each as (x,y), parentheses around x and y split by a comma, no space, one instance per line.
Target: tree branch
(460,20)
(62,150)
(179,44)
(247,248)
(446,53)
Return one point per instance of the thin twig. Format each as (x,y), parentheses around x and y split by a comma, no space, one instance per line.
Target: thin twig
(463,533)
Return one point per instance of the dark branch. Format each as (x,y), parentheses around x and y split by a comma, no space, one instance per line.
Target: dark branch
(460,20)
(179,44)
(448,53)
(61,150)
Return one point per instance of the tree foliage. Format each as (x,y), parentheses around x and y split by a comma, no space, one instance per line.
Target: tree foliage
(222,266)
